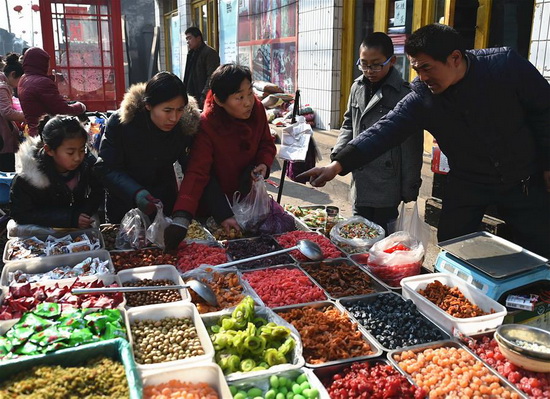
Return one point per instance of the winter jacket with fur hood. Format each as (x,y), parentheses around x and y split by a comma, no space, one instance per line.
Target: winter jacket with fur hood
(39,196)
(135,154)
(38,93)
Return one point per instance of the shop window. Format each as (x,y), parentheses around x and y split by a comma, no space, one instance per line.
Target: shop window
(266,40)
(400,13)
(204,15)
(364,25)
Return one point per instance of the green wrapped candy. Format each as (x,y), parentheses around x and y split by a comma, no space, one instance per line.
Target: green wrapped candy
(36,323)
(113,330)
(47,309)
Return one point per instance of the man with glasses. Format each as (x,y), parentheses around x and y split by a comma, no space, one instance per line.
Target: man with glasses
(378,187)
(489,110)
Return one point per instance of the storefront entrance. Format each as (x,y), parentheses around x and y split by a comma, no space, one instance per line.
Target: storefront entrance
(84,40)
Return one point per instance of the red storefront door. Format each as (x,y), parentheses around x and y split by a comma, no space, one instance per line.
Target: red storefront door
(84,40)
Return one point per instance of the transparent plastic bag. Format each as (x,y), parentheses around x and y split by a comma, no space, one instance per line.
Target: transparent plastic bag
(155,232)
(397,256)
(131,234)
(409,221)
(254,208)
(356,234)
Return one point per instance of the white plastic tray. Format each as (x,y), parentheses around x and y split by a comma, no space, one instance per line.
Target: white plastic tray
(159,272)
(208,373)
(454,325)
(175,309)
(48,263)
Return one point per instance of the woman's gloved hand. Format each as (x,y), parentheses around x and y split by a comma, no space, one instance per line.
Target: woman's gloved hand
(175,233)
(146,202)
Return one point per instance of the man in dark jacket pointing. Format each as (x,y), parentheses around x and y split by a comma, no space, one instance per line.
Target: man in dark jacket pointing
(490,113)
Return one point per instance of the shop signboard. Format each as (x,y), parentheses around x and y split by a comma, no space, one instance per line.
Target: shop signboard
(228,14)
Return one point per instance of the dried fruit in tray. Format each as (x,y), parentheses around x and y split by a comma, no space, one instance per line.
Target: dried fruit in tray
(536,385)
(191,256)
(315,218)
(452,372)
(179,389)
(290,239)
(283,286)
(279,387)
(25,298)
(219,232)
(49,328)
(378,381)
(451,300)
(340,279)
(25,248)
(227,288)
(327,334)
(393,322)
(141,257)
(246,248)
(196,232)
(104,378)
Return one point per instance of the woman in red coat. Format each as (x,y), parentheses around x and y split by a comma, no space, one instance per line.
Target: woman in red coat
(234,143)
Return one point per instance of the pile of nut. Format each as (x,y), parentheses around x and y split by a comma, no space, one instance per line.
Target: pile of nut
(109,232)
(165,340)
(143,298)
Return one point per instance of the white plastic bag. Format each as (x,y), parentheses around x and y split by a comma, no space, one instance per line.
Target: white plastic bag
(254,208)
(131,234)
(397,256)
(362,238)
(155,232)
(295,141)
(409,221)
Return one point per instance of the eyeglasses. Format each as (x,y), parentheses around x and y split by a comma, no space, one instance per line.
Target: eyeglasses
(362,65)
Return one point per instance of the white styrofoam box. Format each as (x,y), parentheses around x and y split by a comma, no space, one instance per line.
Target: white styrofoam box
(159,272)
(454,325)
(210,374)
(48,263)
(174,309)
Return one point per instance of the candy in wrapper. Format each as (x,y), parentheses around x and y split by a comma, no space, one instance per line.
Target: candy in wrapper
(28,349)
(36,323)
(114,330)
(55,346)
(96,322)
(72,320)
(47,309)
(82,336)
(5,346)
(49,335)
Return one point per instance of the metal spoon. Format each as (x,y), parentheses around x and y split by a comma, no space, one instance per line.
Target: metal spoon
(202,290)
(308,248)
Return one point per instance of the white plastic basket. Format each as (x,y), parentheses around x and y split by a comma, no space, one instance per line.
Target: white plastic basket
(454,325)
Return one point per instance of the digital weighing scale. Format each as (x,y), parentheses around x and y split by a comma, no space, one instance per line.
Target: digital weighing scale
(491,263)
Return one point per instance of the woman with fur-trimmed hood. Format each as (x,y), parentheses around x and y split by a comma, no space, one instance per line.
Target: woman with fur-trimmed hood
(153,128)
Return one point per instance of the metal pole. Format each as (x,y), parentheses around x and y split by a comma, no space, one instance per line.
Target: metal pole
(8,15)
(285,162)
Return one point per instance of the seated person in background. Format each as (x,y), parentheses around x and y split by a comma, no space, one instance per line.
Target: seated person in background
(54,185)
(38,93)
(234,144)
(9,116)
(153,128)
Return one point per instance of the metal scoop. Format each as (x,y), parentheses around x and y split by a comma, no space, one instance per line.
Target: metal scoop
(202,290)
(308,248)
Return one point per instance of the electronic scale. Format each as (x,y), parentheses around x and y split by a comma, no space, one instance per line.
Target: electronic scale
(490,263)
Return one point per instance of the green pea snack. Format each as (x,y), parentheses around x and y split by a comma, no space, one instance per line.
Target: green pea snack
(279,388)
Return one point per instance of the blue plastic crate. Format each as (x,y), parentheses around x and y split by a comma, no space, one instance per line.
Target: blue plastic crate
(5,183)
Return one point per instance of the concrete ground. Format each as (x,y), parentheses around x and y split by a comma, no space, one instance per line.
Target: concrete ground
(337,191)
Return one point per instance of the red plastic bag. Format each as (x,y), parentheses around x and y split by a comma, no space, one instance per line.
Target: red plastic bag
(397,256)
